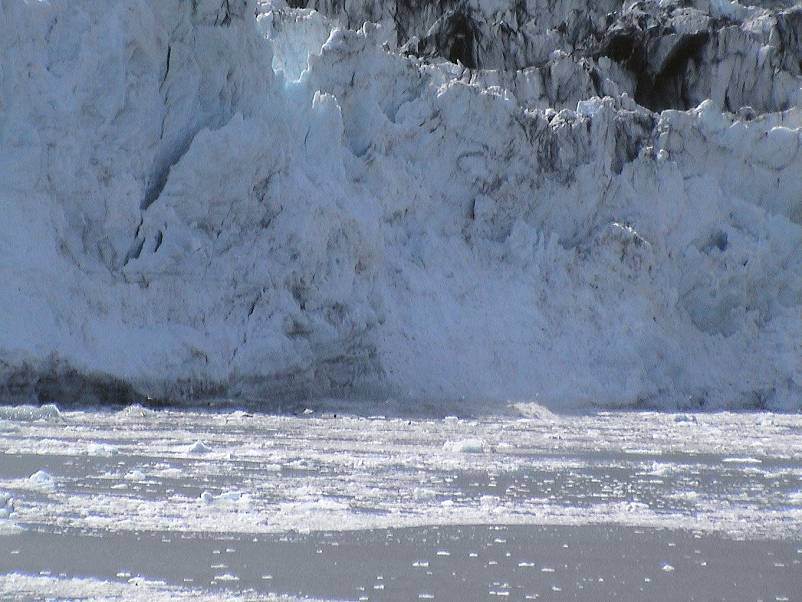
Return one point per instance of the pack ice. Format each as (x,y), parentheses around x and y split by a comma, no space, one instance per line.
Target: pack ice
(576,202)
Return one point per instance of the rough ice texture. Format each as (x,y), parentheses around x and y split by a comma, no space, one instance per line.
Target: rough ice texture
(471,199)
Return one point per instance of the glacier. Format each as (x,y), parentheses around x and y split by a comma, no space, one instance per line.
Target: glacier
(575,203)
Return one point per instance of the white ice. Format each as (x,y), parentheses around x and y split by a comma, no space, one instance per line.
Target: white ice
(736,474)
(197,204)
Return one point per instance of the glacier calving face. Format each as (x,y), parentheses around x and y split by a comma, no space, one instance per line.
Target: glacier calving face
(463,199)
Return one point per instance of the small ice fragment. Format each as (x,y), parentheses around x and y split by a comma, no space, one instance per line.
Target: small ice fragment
(667,568)
(136,411)
(226,498)
(199,447)
(466,446)
(169,473)
(101,449)
(6,505)
(7,426)
(741,461)
(308,411)
(41,479)
(443,553)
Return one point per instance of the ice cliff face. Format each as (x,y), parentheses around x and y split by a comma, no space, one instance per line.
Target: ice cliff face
(464,199)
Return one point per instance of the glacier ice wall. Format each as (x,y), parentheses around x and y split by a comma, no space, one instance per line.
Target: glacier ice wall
(573,202)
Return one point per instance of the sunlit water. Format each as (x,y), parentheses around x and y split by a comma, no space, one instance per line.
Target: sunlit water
(139,504)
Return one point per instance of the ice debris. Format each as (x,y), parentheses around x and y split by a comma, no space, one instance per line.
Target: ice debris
(199,447)
(466,446)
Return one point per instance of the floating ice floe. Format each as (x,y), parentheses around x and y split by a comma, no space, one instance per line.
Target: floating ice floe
(7,525)
(199,447)
(101,449)
(42,480)
(135,475)
(137,410)
(6,505)
(466,446)
(135,589)
(226,498)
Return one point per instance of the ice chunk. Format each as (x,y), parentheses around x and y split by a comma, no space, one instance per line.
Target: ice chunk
(6,505)
(199,447)
(27,413)
(589,108)
(137,411)
(135,475)
(42,480)
(101,449)
(466,446)
(226,499)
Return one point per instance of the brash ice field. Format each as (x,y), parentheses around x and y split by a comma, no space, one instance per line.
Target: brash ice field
(143,505)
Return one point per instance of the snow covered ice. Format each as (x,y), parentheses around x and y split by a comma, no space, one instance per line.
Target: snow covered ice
(581,203)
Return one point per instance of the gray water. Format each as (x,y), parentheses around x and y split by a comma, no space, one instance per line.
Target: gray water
(447,563)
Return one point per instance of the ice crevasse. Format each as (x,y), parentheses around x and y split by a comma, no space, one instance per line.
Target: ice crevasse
(579,203)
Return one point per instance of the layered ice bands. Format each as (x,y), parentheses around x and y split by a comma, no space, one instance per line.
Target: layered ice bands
(454,200)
